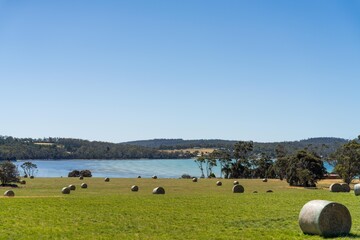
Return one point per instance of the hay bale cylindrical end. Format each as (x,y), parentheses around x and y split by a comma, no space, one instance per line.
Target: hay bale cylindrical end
(325,218)
(72,187)
(134,188)
(357,189)
(345,187)
(236,182)
(83,185)
(159,190)
(218,183)
(238,188)
(194,179)
(107,179)
(9,193)
(335,187)
(65,190)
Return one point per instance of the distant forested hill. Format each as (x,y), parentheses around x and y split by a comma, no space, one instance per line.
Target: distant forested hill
(67,148)
(323,145)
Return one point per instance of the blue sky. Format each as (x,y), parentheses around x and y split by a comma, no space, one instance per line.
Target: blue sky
(127,70)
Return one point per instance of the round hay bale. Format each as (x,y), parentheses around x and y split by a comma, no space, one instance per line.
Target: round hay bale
(31,177)
(236,182)
(335,187)
(23,182)
(9,193)
(107,179)
(134,188)
(194,179)
(325,218)
(139,176)
(238,189)
(345,187)
(81,178)
(65,190)
(255,191)
(83,185)
(159,190)
(72,187)
(357,189)
(218,183)
(269,191)
(264,180)
(154,177)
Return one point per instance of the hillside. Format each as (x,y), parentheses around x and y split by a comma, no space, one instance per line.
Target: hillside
(323,145)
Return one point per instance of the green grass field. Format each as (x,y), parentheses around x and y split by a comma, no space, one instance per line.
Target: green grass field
(202,210)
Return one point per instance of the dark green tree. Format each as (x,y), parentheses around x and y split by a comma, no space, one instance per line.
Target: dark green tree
(200,161)
(347,161)
(8,172)
(241,168)
(224,158)
(305,169)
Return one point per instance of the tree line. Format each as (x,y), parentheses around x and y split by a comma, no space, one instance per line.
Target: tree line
(303,167)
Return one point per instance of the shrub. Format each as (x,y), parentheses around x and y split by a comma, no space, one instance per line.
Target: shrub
(186,176)
(77,173)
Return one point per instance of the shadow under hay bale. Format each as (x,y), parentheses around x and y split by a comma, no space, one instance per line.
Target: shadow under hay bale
(194,179)
(159,190)
(357,189)
(236,182)
(238,189)
(345,187)
(154,177)
(218,183)
(65,190)
(134,188)
(107,179)
(269,191)
(9,193)
(72,187)
(83,185)
(335,187)
(255,191)
(325,218)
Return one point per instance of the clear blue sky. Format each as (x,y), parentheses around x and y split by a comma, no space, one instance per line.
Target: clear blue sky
(127,70)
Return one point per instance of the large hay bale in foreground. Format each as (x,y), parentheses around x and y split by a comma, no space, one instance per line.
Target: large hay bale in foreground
(325,218)
(218,183)
(194,179)
(134,188)
(159,190)
(335,187)
(83,185)
(9,193)
(357,189)
(345,187)
(238,188)
(107,179)
(72,187)
(65,190)
(236,182)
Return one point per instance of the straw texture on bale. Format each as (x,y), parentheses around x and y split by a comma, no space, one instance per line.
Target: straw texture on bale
(9,193)
(236,182)
(154,177)
(72,187)
(107,179)
(194,179)
(159,190)
(335,187)
(325,218)
(83,185)
(238,189)
(357,189)
(218,183)
(65,190)
(264,180)
(134,188)
(345,187)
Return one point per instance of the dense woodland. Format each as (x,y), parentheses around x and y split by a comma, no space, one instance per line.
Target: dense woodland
(324,146)
(67,148)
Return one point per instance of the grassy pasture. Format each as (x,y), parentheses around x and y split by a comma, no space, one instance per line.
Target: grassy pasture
(202,210)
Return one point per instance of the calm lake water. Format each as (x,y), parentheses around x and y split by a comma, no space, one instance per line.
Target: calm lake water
(163,168)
